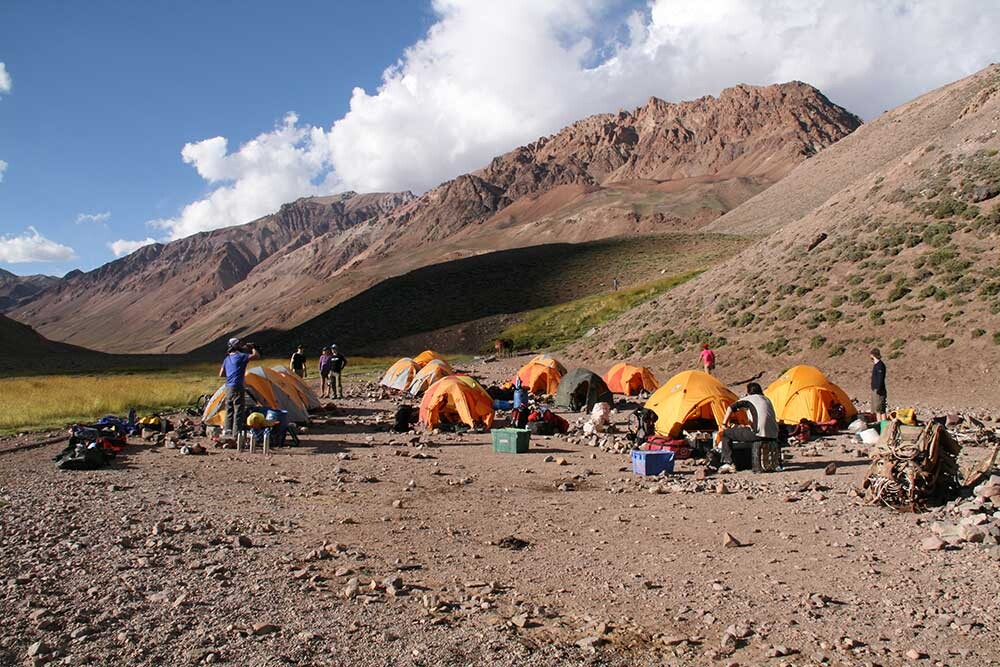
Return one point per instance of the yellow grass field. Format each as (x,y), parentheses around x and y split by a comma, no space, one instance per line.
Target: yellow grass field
(38,402)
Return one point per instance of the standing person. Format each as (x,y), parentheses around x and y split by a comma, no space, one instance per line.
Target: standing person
(763,423)
(615,283)
(879,394)
(337,363)
(707,357)
(234,368)
(324,373)
(298,362)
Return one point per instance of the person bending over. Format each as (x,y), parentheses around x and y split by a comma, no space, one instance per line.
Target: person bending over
(762,423)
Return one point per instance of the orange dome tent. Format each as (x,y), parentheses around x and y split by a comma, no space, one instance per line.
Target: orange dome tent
(688,396)
(426,357)
(293,385)
(264,390)
(400,375)
(454,399)
(550,361)
(428,375)
(541,377)
(803,392)
(630,380)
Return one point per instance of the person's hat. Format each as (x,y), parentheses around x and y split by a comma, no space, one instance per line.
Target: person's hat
(333,347)
(233,342)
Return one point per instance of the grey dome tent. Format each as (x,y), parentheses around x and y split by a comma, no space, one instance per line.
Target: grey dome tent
(581,387)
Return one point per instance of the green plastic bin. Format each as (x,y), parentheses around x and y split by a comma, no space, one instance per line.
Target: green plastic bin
(511,440)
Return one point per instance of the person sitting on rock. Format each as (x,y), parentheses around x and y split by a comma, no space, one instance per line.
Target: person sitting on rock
(762,423)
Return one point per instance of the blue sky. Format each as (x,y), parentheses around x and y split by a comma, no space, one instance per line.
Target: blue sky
(128,123)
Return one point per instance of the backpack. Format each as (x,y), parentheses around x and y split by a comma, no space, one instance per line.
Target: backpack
(641,425)
(403,418)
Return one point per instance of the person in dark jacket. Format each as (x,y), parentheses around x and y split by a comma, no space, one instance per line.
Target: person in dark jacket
(763,423)
(337,363)
(879,394)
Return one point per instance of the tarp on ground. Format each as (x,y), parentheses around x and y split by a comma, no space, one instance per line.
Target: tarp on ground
(624,378)
(581,387)
(689,396)
(804,392)
(428,375)
(400,375)
(456,399)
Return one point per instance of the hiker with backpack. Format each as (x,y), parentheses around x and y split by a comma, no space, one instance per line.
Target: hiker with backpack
(234,369)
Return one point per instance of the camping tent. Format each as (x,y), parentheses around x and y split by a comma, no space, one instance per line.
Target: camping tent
(263,391)
(550,361)
(293,384)
(687,397)
(541,377)
(803,392)
(580,388)
(426,357)
(630,380)
(454,399)
(400,375)
(428,375)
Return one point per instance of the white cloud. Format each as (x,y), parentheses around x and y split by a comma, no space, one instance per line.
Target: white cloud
(32,247)
(276,167)
(489,76)
(123,247)
(5,81)
(99,218)
(3,168)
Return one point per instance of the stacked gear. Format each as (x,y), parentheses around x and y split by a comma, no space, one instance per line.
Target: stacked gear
(91,447)
(913,465)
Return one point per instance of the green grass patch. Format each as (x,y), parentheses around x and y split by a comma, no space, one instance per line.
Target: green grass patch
(557,326)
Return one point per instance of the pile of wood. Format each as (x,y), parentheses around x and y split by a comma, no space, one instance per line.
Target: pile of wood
(912,466)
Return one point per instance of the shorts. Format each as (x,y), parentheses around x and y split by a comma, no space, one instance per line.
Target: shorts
(325,373)
(879,402)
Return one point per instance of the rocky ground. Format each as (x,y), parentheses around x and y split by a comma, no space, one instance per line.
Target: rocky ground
(363,547)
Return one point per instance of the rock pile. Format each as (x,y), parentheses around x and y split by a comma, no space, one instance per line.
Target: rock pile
(974,520)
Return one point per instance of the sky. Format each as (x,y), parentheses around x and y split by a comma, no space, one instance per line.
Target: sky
(130,123)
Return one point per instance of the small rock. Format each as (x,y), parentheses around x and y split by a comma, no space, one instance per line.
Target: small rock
(914,654)
(721,488)
(243,541)
(398,504)
(520,620)
(729,541)
(589,642)
(264,629)
(830,469)
(932,543)
(38,648)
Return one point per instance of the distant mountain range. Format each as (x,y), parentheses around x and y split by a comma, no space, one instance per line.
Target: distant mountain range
(662,168)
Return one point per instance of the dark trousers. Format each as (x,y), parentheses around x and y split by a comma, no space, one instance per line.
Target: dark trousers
(735,434)
(236,400)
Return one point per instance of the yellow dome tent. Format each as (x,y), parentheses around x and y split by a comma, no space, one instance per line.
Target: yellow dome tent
(456,398)
(400,375)
(428,375)
(803,392)
(541,377)
(426,357)
(630,380)
(550,361)
(688,396)
(293,385)
(263,390)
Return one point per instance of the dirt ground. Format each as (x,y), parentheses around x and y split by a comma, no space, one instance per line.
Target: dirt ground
(364,547)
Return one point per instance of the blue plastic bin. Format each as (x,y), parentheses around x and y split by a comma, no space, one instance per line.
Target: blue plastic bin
(499,404)
(652,463)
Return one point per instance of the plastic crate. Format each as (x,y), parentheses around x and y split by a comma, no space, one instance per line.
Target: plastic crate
(511,440)
(652,463)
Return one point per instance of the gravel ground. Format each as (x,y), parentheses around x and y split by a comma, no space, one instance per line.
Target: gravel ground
(363,547)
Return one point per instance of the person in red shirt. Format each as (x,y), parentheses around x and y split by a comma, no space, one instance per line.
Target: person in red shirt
(707,358)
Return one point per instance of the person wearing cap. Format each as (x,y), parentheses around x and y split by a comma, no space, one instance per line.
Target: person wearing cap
(337,364)
(234,368)
(879,394)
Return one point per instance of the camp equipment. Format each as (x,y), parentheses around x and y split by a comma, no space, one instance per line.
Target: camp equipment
(511,440)
(690,400)
(426,357)
(456,399)
(630,380)
(400,375)
(541,375)
(803,392)
(582,388)
(652,463)
(428,375)
(911,465)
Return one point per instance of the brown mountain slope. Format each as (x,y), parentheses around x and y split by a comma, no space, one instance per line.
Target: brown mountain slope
(903,256)
(661,168)
(15,290)
(137,302)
